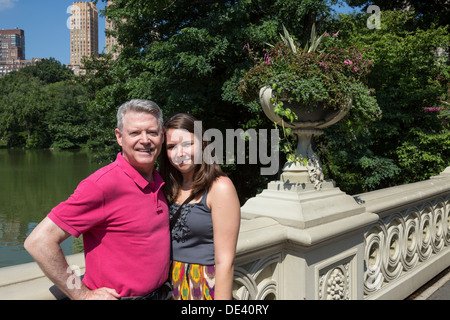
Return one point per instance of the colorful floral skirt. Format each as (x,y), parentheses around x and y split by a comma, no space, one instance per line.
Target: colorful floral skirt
(192,281)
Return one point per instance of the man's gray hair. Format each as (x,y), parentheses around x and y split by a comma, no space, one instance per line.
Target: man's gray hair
(139,105)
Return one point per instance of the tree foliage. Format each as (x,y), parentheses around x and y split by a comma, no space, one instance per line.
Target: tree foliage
(48,71)
(425,12)
(188,56)
(411,79)
(41,107)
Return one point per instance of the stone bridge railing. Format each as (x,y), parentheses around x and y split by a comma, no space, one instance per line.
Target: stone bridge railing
(299,243)
(409,244)
(392,248)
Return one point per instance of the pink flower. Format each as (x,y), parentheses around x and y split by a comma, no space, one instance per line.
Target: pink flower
(348,62)
(336,34)
(267,59)
(355,69)
(429,109)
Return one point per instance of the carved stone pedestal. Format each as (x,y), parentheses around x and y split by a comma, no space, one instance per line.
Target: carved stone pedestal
(300,205)
(323,251)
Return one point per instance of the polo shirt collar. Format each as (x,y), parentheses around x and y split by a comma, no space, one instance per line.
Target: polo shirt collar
(136,176)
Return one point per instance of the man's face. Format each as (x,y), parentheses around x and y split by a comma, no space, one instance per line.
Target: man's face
(141,140)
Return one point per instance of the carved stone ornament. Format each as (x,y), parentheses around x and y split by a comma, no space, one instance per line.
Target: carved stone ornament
(335,284)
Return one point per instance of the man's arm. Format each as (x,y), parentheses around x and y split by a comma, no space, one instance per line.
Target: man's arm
(43,244)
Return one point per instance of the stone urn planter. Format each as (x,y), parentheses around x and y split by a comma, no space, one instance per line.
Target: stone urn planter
(311,121)
(324,72)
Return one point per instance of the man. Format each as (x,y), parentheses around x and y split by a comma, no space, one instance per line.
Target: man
(123,216)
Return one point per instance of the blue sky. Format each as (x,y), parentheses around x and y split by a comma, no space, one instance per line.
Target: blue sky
(45,26)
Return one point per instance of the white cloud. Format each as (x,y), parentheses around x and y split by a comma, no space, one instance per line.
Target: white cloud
(7,4)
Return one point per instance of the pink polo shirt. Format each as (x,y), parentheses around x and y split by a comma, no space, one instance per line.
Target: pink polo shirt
(124,220)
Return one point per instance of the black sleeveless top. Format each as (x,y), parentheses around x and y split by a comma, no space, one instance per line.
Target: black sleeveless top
(192,234)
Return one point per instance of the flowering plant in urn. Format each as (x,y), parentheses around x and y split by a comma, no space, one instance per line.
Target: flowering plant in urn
(305,89)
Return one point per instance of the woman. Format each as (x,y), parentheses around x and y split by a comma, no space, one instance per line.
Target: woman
(205,234)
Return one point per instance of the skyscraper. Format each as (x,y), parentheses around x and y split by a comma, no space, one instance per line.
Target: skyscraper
(12,45)
(83,33)
(12,51)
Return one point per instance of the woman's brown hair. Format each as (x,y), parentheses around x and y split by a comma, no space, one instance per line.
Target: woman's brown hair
(205,174)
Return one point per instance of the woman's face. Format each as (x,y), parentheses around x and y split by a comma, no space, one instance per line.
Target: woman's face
(183,149)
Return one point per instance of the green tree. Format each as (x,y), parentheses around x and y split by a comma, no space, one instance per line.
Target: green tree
(49,71)
(21,109)
(41,107)
(66,120)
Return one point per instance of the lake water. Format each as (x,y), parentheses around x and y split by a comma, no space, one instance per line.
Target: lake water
(32,182)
